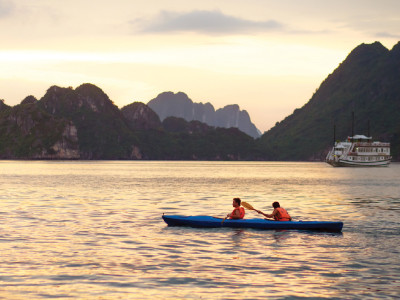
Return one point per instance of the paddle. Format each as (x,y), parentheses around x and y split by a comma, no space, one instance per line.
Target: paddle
(249,206)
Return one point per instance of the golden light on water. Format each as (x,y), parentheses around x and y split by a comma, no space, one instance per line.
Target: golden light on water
(94,229)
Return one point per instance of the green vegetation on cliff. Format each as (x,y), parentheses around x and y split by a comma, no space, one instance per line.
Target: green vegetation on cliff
(28,132)
(182,140)
(102,130)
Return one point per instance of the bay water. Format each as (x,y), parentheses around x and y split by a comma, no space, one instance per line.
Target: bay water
(93,230)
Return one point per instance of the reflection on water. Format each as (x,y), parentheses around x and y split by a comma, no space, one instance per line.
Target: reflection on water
(93,230)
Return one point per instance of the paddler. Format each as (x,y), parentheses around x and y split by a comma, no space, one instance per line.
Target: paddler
(279,213)
(238,211)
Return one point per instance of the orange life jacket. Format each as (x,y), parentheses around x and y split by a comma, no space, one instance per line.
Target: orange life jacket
(282,215)
(241,212)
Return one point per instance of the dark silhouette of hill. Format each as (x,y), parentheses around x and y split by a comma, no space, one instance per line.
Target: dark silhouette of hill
(83,123)
(367,83)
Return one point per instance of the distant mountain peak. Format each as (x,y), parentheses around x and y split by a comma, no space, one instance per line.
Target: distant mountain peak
(3,105)
(29,99)
(367,52)
(140,116)
(396,50)
(179,105)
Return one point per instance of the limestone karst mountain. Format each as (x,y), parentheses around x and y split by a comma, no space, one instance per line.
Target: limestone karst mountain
(179,105)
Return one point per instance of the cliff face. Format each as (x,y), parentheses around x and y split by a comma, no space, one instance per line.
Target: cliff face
(232,116)
(67,147)
(179,105)
(102,130)
(28,132)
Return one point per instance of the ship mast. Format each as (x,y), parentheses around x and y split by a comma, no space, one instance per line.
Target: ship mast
(352,124)
(334,133)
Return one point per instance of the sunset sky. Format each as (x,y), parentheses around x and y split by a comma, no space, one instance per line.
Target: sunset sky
(267,56)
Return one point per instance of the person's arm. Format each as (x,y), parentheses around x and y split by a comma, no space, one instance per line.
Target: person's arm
(268,215)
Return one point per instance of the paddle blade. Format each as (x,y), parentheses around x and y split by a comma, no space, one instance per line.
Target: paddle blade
(247,206)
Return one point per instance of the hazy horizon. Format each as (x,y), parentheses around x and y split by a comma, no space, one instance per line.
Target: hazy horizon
(267,57)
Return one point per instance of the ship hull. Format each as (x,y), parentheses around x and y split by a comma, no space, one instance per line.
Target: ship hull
(348,163)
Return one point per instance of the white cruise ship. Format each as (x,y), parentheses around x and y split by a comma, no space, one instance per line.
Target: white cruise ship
(359,151)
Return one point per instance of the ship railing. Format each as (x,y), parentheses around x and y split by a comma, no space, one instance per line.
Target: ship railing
(329,156)
(374,144)
(368,154)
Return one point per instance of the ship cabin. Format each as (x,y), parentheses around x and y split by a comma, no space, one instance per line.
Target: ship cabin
(339,149)
(363,149)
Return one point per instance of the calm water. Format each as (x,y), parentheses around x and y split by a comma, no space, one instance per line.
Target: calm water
(93,230)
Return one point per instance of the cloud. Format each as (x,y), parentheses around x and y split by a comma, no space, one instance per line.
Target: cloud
(6,8)
(387,35)
(204,21)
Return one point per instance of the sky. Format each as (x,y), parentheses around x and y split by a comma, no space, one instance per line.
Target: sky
(269,57)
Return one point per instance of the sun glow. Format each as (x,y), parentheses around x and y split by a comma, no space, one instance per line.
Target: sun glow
(238,56)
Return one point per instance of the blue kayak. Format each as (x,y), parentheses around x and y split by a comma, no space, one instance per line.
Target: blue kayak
(212,222)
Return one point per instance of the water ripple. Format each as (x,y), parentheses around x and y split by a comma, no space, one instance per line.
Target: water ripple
(101,236)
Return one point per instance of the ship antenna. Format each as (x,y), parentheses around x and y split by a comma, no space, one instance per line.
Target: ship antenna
(368,129)
(334,133)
